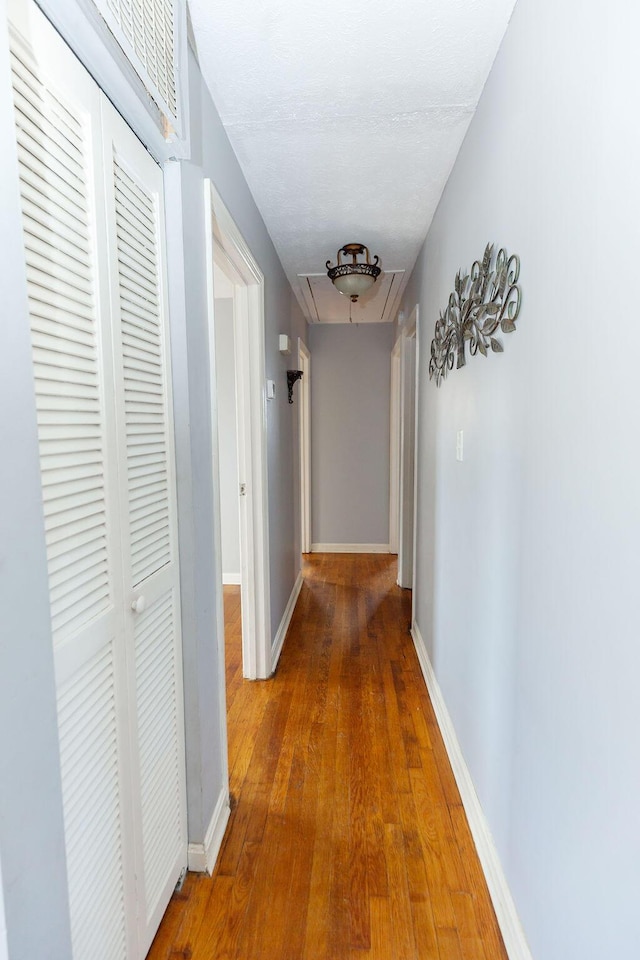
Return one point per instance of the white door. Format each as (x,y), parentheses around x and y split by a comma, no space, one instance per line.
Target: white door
(58,132)
(147,521)
(103,401)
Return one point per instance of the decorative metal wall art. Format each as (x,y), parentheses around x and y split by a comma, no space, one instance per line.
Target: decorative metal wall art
(292,376)
(483,300)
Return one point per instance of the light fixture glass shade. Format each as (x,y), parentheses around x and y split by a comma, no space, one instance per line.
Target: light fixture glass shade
(355,278)
(354,284)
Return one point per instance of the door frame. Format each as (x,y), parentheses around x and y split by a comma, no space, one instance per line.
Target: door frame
(304,396)
(415,316)
(394,448)
(249,325)
(408,393)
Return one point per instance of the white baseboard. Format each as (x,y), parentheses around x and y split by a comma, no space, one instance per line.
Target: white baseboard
(231,579)
(506,913)
(278,643)
(201,857)
(349,548)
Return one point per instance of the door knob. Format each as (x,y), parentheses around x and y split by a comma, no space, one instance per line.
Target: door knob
(138,604)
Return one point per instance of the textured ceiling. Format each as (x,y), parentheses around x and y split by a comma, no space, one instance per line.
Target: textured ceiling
(347,119)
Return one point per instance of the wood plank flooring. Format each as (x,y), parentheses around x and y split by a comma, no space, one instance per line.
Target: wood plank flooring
(347,839)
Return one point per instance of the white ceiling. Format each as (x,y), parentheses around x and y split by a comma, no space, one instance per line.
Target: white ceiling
(346,120)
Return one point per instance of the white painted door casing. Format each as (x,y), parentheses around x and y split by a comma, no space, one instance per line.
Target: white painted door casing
(304,432)
(223,236)
(407,449)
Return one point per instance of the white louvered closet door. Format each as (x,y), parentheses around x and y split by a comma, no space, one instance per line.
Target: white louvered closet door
(93,227)
(146,30)
(58,132)
(134,191)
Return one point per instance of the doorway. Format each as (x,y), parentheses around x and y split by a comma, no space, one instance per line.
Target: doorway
(228,256)
(404,433)
(224,281)
(304,364)
(394,452)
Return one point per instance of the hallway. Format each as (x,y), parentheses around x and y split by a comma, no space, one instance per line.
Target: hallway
(347,837)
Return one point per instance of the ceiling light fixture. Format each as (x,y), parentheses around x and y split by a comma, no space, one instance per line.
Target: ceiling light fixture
(355,278)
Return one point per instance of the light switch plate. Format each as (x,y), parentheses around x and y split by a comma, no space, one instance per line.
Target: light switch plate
(271,389)
(460,445)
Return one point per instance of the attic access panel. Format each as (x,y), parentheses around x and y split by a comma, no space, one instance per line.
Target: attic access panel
(325,305)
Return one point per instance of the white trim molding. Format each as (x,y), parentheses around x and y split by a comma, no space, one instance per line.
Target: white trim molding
(231,579)
(506,913)
(407,449)
(223,239)
(278,643)
(201,857)
(304,439)
(394,448)
(350,548)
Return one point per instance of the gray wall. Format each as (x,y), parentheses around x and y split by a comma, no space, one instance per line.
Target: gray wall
(528,549)
(4,946)
(350,402)
(31,830)
(227,437)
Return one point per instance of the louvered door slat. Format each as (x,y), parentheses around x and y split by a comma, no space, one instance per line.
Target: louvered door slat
(45,166)
(138,206)
(44,149)
(69,278)
(49,341)
(41,220)
(58,142)
(141,488)
(143,371)
(139,301)
(135,275)
(65,254)
(59,199)
(155,526)
(131,256)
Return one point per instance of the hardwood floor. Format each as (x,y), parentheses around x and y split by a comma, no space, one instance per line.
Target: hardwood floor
(347,838)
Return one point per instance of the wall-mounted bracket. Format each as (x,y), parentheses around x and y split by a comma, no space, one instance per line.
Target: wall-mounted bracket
(292,376)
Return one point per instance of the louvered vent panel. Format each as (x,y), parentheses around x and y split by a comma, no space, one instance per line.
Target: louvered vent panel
(146,30)
(144,387)
(158,730)
(60,274)
(89,763)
